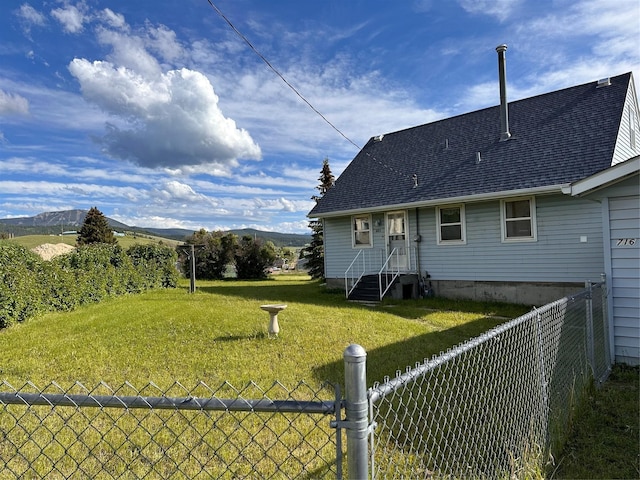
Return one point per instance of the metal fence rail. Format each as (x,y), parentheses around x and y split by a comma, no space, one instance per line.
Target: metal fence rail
(495,406)
(105,433)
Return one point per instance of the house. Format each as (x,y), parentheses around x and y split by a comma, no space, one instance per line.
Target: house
(510,203)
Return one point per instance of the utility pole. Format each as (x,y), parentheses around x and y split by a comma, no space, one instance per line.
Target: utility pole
(191,255)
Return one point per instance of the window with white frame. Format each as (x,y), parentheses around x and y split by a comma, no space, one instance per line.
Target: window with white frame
(361,227)
(518,219)
(451,225)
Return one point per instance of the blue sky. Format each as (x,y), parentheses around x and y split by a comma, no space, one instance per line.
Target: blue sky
(160,115)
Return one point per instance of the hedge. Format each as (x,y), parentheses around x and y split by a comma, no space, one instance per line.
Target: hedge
(30,285)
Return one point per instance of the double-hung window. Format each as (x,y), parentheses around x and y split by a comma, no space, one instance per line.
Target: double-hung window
(361,229)
(451,225)
(518,219)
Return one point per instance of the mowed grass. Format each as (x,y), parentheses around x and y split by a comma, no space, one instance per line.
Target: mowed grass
(219,333)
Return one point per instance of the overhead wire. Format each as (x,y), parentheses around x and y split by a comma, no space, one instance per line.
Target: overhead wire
(296,91)
(277,72)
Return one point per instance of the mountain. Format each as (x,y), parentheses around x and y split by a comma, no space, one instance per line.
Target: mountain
(70,218)
(56,222)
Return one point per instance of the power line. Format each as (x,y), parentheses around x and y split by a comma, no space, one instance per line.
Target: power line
(295,90)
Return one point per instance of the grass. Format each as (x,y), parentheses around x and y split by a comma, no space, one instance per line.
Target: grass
(219,333)
(605,437)
(32,241)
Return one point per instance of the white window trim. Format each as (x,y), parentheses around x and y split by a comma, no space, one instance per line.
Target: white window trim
(353,233)
(532,218)
(463,226)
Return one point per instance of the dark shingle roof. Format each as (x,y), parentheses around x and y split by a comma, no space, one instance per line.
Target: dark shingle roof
(558,138)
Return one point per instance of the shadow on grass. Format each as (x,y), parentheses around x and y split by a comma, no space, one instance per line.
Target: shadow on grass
(312,292)
(273,291)
(395,357)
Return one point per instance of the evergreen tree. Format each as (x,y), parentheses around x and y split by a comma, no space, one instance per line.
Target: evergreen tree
(95,229)
(314,253)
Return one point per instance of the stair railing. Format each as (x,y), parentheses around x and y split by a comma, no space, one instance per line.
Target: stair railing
(389,272)
(355,272)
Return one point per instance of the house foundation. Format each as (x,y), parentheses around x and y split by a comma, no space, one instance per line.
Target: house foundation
(524,293)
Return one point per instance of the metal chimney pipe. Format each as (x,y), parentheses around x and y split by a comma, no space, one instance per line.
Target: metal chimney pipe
(504,107)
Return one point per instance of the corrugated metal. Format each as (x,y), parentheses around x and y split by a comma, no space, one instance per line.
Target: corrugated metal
(624,225)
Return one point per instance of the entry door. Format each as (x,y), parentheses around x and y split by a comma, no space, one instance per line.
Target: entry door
(397,238)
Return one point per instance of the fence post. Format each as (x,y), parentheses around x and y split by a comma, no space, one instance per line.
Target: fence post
(589,320)
(605,321)
(356,412)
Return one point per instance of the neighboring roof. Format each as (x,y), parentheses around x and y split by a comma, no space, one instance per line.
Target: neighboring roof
(557,138)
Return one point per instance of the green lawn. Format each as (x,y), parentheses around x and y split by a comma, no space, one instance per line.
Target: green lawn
(219,333)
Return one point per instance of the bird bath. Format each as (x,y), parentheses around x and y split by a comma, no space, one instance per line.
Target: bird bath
(273,311)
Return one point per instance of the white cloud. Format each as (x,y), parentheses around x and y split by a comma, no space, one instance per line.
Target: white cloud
(173,119)
(114,20)
(163,41)
(71,17)
(29,17)
(174,191)
(13,104)
(267,107)
(501,9)
(129,51)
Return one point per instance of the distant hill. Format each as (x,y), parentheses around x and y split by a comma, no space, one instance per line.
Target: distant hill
(49,223)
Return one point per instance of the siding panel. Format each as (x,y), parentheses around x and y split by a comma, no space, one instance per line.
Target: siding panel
(557,256)
(623,149)
(624,222)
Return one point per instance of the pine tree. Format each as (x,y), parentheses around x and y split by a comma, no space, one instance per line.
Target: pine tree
(314,253)
(95,229)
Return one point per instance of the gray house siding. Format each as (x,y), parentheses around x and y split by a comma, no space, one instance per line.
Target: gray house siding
(624,229)
(621,223)
(558,255)
(567,252)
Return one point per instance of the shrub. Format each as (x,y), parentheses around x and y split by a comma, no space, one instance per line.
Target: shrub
(20,293)
(30,285)
(155,264)
(252,258)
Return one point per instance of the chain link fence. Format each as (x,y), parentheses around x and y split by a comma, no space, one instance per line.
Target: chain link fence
(175,433)
(496,406)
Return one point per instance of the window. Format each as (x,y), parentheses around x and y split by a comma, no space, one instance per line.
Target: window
(451,225)
(518,219)
(362,231)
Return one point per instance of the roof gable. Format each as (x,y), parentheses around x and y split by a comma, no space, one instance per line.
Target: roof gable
(557,138)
